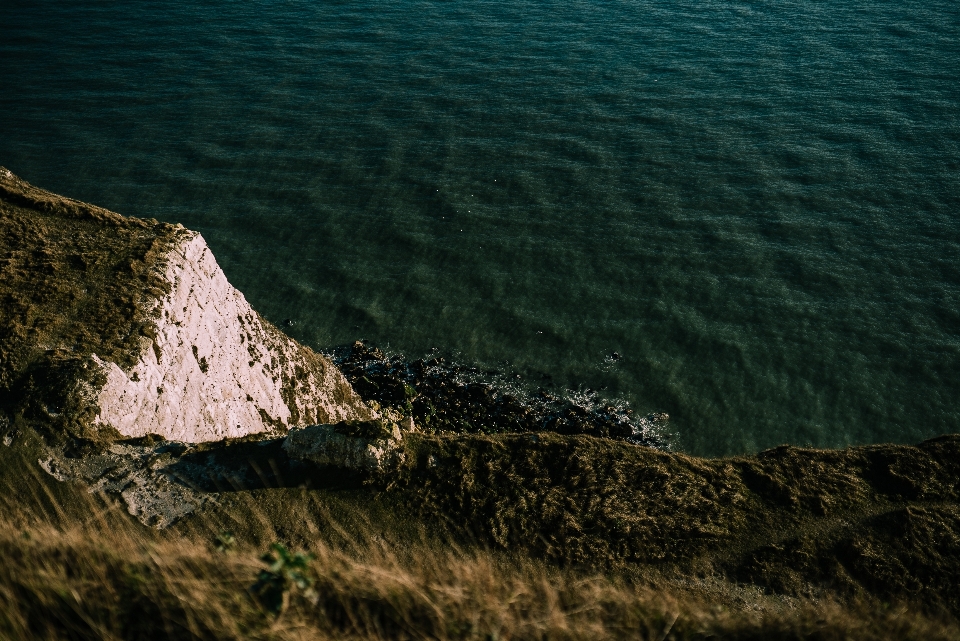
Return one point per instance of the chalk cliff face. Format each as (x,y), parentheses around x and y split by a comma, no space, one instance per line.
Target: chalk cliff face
(174,349)
(214,369)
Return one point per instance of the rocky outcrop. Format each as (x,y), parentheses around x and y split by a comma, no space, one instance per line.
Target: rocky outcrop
(363,447)
(119,327)
(210,368)
(162,481)
(140,474)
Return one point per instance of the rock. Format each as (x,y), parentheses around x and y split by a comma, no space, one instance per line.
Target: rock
(138,475)
(215,369)
(444,397)
(364,447)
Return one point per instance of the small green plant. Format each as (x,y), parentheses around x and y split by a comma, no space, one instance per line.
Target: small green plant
(224,542)
(285,573)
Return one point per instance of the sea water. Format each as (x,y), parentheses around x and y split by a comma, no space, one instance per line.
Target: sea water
(745,214)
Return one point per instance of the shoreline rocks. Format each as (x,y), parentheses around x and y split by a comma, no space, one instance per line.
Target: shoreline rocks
(445,397)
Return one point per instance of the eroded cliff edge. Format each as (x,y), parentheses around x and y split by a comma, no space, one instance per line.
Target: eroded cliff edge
(113,326)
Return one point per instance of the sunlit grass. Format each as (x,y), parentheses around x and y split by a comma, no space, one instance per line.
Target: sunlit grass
(76,566)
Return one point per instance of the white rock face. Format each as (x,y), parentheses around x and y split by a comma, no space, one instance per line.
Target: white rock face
(214,369)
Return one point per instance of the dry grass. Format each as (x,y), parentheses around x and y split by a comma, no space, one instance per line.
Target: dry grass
(879,523)
(75,566)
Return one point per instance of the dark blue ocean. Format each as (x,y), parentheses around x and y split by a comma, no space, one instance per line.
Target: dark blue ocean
(755,203)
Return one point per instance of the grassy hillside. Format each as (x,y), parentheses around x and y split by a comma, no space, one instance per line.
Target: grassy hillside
(512,518)
(878,522)
(526,537)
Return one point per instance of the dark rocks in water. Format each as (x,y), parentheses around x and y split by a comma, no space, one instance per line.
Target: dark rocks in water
(446,397)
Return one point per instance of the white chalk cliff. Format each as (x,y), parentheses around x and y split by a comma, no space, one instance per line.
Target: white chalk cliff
(214,369)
